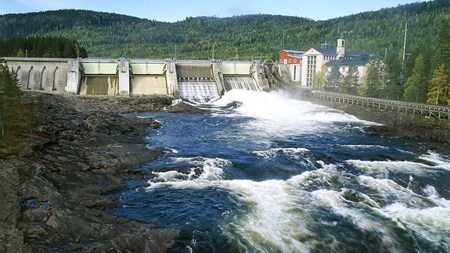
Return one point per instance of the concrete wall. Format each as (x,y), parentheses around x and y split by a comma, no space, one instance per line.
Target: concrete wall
(258,73)
(100,85)
(48,74)
(149,85)
(124,77)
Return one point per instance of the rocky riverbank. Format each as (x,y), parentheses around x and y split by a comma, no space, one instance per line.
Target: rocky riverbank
(53,196)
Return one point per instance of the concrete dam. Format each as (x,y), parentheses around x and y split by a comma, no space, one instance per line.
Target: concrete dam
(195,81)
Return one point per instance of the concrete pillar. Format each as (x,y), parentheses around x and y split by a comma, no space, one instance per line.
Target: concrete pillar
(218,77)
(124,77)
(258,73)
(171,77)
(73,76)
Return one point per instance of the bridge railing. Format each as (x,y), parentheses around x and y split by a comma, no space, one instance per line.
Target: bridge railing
(436,111)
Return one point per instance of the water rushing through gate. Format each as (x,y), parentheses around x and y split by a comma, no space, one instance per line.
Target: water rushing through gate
(281,175)
(198,91)
(240,82)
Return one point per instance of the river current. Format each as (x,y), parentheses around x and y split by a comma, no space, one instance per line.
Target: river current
(273,174)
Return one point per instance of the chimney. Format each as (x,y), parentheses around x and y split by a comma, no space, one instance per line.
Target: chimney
(340,49)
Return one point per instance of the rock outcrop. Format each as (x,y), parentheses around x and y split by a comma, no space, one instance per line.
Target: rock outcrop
(53,197)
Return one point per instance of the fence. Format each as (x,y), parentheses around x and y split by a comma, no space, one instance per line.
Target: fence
(436,111)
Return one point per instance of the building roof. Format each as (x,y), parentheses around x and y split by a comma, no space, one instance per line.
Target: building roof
(347,62)
(293,51)
(326,51)
(332,52)
(359,54)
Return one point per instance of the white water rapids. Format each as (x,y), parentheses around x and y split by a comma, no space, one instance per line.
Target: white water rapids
(345,191)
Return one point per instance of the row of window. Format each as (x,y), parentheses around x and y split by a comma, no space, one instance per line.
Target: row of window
(310,69)
(290,61)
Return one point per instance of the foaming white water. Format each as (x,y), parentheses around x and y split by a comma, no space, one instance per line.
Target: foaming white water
(430,191)
(276,112)
(294,152)
(439,161)
(361,146)
(392,193)
(281,212)
(203,169)
(271,226)
(432,224)
(382,169)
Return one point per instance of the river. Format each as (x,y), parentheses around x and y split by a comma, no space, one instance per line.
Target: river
(274,174)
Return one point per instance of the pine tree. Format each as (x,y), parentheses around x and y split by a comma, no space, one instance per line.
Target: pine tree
(9,100)
(349,83)
(394,86)
(333,79)
(439,91)
(417,84)
(373,79)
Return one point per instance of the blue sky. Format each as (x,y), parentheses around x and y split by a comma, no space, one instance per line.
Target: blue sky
(174,10)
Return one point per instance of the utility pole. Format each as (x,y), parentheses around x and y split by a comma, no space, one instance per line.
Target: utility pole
(404,43)
(213,52)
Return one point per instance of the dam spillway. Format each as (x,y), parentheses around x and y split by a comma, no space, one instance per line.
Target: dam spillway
(196,82)
(238,76)
(192,80)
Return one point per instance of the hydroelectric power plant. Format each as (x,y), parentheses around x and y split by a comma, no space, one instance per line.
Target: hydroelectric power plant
(196,81)
(272,174)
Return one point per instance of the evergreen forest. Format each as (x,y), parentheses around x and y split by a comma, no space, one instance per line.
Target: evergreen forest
(44,46)
(419,74)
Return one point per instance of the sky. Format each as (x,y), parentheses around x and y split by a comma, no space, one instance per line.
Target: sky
(177,10)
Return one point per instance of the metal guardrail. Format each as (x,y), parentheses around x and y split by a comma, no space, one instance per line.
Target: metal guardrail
(436,111)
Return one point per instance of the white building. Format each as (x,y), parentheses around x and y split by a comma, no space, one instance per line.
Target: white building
(315,58)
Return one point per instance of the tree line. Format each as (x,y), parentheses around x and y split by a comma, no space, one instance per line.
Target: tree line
(423,78)
(42,46)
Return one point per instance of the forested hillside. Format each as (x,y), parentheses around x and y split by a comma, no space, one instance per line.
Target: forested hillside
(422,76)
(239,37)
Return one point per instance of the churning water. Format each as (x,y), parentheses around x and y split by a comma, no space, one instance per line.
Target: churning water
(282,175)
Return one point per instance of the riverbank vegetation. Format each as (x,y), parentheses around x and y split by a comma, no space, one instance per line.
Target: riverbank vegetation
(16,118)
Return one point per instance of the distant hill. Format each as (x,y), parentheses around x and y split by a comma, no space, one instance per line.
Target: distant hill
(238,37)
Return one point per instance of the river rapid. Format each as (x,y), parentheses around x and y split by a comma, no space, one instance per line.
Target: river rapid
(273,174)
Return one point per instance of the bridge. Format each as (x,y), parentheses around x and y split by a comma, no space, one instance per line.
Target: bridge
(435,111)
(197,81)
